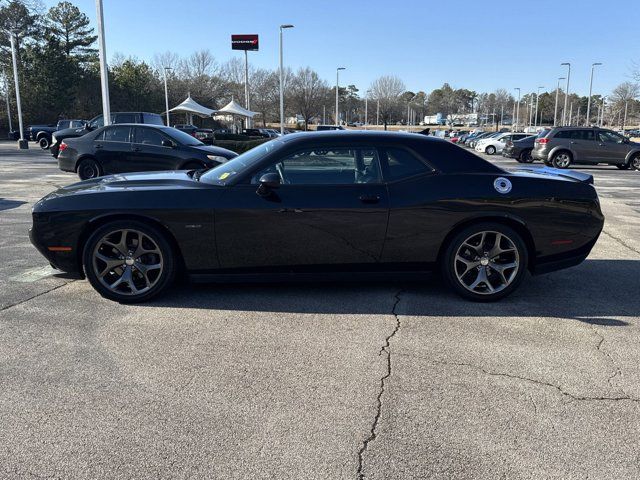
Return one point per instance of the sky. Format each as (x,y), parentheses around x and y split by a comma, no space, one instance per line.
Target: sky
(499,44)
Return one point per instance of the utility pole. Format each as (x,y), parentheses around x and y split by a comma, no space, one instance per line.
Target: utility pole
(536,115)
(566,93)
(246,87)
(366,110)
(337,94)
(518,110)
(555,112)
(104,75)
(166,94)
(282,82)
(624,121)
(6,89)
(378,113)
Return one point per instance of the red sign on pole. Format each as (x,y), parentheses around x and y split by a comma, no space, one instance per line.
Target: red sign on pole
(244,42)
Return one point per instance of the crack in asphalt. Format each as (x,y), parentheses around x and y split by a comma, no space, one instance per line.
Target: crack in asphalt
(384,350)
(564,393)
(7,307)
(617,371)
(620,241)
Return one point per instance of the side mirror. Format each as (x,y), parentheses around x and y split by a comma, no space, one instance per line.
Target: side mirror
(168,144)
(267,183)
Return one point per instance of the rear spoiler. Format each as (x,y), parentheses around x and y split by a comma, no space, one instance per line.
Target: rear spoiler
(557,172)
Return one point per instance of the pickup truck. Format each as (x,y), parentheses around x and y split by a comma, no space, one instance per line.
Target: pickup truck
(98,122)
(42,133)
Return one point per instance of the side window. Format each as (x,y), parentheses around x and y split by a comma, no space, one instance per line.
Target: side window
(563,134)
(117,134)
(401,163)
(97,123)
(149,136)
(152,119)
(326,166)
(125,118)
(587,135)
(609,137)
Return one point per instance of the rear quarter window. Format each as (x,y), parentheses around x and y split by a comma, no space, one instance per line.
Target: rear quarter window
(449,158)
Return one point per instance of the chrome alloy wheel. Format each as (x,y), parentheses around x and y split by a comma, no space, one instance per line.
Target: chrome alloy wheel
(127,262)
(486,262)
(562,160)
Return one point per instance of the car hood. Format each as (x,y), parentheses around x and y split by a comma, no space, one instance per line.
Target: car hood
(219,151)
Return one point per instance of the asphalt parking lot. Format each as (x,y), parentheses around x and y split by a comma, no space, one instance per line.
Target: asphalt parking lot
(376,381)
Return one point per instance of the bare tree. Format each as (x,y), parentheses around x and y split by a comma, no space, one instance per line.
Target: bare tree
(386,90)
(308,91)
(264,93)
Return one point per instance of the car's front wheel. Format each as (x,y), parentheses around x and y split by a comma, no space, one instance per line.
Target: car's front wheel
(44,143)
(490,150)
(485,262)
(89,168)
(634,162)
(129,261)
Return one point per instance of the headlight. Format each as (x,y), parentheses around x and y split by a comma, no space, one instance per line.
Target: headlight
(216,158)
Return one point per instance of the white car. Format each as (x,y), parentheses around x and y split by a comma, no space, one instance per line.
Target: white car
(496,144)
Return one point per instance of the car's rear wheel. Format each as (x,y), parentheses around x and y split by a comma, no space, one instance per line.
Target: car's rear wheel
(525,156)
(490,150)
(129,261)
(634,162)
(561,159)
(44,143)
(89,168)
(485,262)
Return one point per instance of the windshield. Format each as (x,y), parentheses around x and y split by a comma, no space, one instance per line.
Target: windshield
(224,173)
(183,138)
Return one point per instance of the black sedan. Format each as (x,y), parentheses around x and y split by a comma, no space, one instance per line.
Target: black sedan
(126,148)
(520,149)
(323,204)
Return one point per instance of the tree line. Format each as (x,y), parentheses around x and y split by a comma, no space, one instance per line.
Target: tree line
(60,78)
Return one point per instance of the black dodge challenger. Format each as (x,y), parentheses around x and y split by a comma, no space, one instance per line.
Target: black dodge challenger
(322,205)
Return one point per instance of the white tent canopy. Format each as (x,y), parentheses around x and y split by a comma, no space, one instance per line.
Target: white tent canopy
(234,108)
(190,106)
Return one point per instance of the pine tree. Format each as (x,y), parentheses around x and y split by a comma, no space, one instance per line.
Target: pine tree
(70,27)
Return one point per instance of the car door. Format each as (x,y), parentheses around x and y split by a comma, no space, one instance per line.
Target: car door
(148,153)
(111,148)
(612,147)
(331,209)
(583,143)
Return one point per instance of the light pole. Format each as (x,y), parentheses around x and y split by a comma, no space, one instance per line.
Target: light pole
(166,94)
(282,27)
(531,110)
(535,120)
(378,113)
(104,80)
(593,65)
(337,96)
(22,143)
(566,93)
(624,121)
(366,110)
(602,114)
(517,110)
(555,112)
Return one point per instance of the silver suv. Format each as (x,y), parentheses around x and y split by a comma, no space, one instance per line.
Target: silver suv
(561,146)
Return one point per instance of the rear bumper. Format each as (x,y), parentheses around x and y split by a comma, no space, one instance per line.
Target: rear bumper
(564,260)
(66,164)
(539,154)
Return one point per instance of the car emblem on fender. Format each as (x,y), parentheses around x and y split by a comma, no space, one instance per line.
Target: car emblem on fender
(502,185)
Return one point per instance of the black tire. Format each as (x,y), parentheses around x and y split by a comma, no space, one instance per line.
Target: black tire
(193,165)
(622,166)
(100,274)
(490,150)
(634,162)
(44,143)
(450,263)
(562,159)
(89,168)
(525,156)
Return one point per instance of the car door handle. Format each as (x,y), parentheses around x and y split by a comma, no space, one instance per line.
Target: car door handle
(369,198)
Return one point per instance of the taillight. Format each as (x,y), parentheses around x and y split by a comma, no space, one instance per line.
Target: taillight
(63,146)
(542,140)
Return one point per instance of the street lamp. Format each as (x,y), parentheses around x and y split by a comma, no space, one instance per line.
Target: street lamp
(282,27)
(555,112)
(166,94)
(566,93)
(535,120)
(602,113)
(104,80)
(593,65)
(337,89)
(517,110)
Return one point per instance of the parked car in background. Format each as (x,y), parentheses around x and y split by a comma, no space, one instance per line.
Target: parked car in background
(474,141)
(561,147)
(259,132)
(97,122)
(320,128)
(42,133)
(129,147)
(495,144)
(205,135)
(519,149)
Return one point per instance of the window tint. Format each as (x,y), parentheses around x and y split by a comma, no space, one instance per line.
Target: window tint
(562,134)
(610,137)
(402,164)
(117,134)
(125,118)
(149,136)
(326,166)
(583,135)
